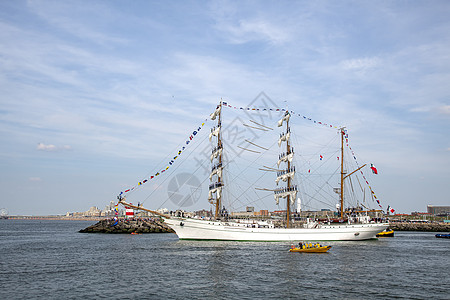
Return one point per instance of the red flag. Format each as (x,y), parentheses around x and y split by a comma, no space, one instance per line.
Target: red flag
(374,170)
(390,209)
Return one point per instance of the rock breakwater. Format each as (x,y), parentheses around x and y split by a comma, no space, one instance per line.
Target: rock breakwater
(137,225)
(432,227)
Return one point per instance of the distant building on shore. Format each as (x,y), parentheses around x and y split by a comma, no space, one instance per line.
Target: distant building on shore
(438,210)
(96,212)
(250,213)
(92,212)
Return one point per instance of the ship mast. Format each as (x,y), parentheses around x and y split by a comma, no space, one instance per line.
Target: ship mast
(219,176)
(288,198)
(290,191)
(342,172)
(216,186)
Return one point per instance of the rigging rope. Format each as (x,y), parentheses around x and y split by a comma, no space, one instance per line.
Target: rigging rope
(176,168)
(319,188)
(172,161)
(225,104)
(367,182)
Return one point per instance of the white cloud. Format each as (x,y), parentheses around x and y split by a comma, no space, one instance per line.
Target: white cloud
(360,64)
(57,13)
(440,109)
(251,30)
(420,109)
(35,179)
(44,147)
(50,147)
(444,109)
(240,24)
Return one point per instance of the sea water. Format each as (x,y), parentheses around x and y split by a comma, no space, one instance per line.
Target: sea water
(51,260)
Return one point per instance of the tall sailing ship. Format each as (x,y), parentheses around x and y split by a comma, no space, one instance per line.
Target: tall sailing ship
(222,227)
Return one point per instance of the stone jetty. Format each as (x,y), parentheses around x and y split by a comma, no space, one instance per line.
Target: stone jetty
(432,227)
(138,225)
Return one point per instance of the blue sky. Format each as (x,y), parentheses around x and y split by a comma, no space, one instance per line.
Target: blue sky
(96,94)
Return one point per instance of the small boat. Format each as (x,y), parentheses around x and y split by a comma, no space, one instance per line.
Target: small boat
(443,236)
(135,233)
(310,248)
(386,233)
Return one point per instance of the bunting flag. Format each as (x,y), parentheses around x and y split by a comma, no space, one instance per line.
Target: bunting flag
(374,170)
(225,104)
(170,163)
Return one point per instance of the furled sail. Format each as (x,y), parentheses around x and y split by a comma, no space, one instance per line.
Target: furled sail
(217,171)
(285,176)
(284,137)
(215,153)
(280,194)
(214,132)
(285,158)
(217,190)
(285,118)
(216,112)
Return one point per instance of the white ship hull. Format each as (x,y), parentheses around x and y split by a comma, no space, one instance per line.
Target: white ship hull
(194,229)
